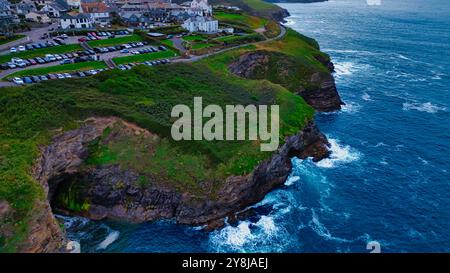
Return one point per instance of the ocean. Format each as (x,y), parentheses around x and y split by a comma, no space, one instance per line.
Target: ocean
(387,179)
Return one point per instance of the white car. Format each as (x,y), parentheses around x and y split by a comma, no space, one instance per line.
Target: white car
(17,80)
(60,76)
(21,48)
(92,72)
(13,50)
(67,75)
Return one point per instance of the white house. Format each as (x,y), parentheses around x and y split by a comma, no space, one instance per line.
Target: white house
(78,21)
(73,3)
(98,11)
(201,24)
(202,6)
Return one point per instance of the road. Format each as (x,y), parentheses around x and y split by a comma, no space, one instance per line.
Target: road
(196,58)
(31,36)
(114,54)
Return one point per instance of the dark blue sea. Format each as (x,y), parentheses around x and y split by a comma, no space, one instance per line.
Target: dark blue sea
(388,176)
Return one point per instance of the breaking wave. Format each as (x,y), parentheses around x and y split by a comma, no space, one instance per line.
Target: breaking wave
(427,107)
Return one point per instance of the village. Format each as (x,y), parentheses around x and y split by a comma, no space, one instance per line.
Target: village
(55,39)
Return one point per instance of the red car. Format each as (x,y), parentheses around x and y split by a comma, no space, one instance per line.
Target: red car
(82,40)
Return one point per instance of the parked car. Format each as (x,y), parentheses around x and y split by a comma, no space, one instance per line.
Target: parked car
(29,47)
(82,39)
(40,60)
(32,61)
(161,47)
(69,55)
(66,61)
(17,80)
(52,76)
(35,79)
(60,76)
(27,80)
(81,74)
(92,72)
(67,75)
(43,78)
(13,50)
(12,65)
(21,48)
(124,51)
(58,57)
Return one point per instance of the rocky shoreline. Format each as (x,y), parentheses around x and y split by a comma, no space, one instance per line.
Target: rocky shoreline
(114,193)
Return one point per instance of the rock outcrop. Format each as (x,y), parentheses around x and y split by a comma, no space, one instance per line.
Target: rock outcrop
(321,92)
(59,159)
(115,193)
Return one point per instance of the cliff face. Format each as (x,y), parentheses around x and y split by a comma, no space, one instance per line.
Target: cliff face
(115,193)
(317,89)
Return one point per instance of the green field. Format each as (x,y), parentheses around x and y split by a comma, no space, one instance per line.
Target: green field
(258,5)
(201,45)
(139,58)
(194,38)
(167,42)
(4,40)
(241,18)
(58,69)
(116,41)
(40,52)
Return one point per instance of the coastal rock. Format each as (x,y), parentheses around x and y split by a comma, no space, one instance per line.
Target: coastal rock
(325,97)
(115,193)
(59,159)
(321,92)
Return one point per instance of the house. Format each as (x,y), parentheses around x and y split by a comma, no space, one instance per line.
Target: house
(39,17)
(202,7)
(56,8)
(98,11)
(201,24)
(79,21)
(24,7)
(7,17)
(73,3)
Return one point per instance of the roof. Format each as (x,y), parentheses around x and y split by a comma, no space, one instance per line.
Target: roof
(94,7)
(78,16)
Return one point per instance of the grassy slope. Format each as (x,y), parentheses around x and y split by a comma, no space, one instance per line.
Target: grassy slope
(58,69)
(40,52)
(4,40)
(139,58)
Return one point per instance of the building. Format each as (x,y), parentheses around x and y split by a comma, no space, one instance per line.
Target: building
(98,11)
(7,17)
(202,7)
(38,17)
(56,8)
(24,8)
(79,21)
(73,3)
(201,24)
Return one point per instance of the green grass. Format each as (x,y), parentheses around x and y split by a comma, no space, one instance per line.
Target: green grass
(139,58)
(4,40)
(167,42)
(115,41)
(194,38)
(40,52)
(241,18)
(58,69)
(201,45)
(258,5)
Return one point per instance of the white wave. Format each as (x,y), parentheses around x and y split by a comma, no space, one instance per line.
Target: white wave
(424,162)
(427,107)
(344,68)
(366,97)
(111,238)
(289,22)
(340,154)
(350,107)
(291,179)
(403,57)
(321,230)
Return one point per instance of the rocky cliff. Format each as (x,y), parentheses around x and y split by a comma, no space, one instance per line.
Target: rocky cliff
(112,192)
(317,88)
